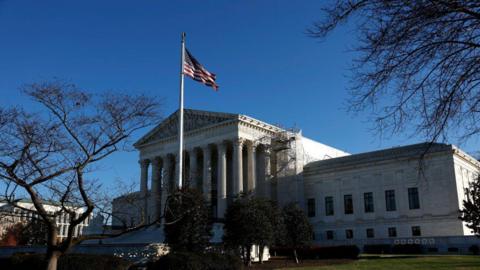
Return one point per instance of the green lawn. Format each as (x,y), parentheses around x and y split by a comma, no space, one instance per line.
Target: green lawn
(404,263)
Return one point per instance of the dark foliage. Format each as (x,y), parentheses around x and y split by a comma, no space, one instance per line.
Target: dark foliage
(187,222)
(474,249)
(333,252)
(377,249)
(196,261)
(394,249)
(250,221)
(418,62)
(21,234)
(66,262)
(298,230)
(470,212)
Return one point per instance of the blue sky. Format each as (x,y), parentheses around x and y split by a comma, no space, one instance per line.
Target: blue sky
(266,66)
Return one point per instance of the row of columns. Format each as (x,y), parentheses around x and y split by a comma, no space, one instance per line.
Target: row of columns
(163,177)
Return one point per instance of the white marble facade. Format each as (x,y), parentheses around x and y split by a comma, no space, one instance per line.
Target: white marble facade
(226,154)
(411,193)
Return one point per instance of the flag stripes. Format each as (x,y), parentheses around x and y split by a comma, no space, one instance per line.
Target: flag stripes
(196,71)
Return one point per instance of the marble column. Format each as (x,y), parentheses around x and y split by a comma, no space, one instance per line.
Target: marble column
(222,180)
(237,167)
(166,181)
(273,174)
(144,187)
(193,177)
(252,166)
(207,173)
(156,188)
(267,184)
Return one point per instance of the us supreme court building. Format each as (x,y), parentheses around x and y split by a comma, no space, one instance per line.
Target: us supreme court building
(409,194)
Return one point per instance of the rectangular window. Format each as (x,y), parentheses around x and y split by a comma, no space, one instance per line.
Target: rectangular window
(368,202)
(348,204)
(390,200)
(416,231)
(329,235)
(413,200)
(311,207)
(392,232)
(329,206)
(370,233)
(349,234)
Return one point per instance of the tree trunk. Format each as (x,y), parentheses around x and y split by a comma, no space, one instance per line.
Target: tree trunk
(52,259)
(249,257)
(260,256)
(244,255)
(295,255)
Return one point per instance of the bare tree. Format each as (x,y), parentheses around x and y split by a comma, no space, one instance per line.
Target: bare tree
(47,154)
(418,63)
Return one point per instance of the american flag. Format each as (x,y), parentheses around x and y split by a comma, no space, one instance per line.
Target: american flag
(196,71)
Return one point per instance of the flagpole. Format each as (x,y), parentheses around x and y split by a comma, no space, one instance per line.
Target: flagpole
(180,117)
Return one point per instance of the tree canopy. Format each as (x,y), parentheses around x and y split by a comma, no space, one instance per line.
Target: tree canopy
(250,221)
(298,230)
(187,223)
(470,213)
(33,232)
(46,150)
(418,63)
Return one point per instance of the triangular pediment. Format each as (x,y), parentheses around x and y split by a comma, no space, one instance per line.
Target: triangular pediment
(193,119)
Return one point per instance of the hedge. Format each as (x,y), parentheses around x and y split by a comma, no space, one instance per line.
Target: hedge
(394,249)
(66,262)
(196,261)
(314,252)
(408,249)
(377,249)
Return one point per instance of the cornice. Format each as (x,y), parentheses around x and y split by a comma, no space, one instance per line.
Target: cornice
(242,120)
(464,156)
(189,133)
(375,158)
(257,124)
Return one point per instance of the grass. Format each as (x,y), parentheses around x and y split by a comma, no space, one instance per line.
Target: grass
(401,263)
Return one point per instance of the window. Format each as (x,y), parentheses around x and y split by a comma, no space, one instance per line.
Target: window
(368,202)
(416,231)
(329,235)
(413,200)
(348,204)
(370,233)
(311,207)
(390,200)
(392,232)
(349,234)
(329,206)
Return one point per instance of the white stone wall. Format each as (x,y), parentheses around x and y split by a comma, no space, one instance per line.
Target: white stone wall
(10,215)
(466,171)
(438,185)
(127,210)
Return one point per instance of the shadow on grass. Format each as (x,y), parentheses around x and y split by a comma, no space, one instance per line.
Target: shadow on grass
(387,257)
